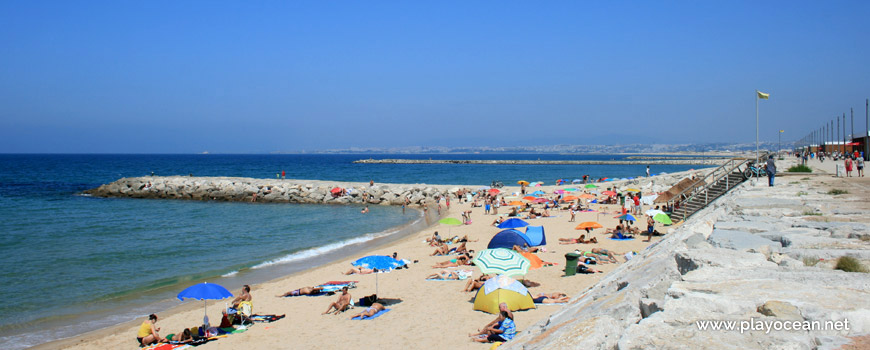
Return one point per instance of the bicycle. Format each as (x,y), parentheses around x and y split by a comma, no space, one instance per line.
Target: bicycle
(496,184)
(752,170)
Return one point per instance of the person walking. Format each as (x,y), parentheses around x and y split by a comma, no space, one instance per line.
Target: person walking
(647,171)
(771,171)
(848,162)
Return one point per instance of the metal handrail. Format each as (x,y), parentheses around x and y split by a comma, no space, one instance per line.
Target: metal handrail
(693,190)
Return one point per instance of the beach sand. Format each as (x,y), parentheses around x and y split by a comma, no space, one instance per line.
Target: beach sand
(430,313)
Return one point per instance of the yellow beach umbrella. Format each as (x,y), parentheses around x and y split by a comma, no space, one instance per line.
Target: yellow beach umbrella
(523,182)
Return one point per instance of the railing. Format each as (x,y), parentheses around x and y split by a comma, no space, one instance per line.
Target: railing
(703,185)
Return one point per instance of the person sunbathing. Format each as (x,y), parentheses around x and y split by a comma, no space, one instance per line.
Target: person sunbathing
(583,268)
(603,252)
(475,284)
(341,304)
(434,240)
(245,295)
(456,262)
(497,221)
(614,230)
(360,271)
(444,275)
(619,235)
(184,337)
(581,239)
(545,214)
(552,298)
(302,291)
(461,249)
(441,249)
(370,311)
(525,248)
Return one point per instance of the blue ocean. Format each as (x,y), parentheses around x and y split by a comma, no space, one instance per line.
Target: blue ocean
(74,263)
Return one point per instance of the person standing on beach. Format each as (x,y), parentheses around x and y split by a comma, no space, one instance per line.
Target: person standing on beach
(848,162)
(283,175)
(771,171)
(859,163)
(647,171)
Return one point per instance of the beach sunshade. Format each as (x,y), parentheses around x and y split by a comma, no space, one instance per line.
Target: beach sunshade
(536,236)
(653,212)
(589,225)
(501,261)
(559,191)
(516,203)
(494,191)
(538,193)
(576,181)
(450,221)
(503,289)
(484,188)
(569,198)
(609,193)
(648,199)
(587,196)
(530,198)
(626,217)
(513,223)
(536,262)
(590,186)
(508,238)
(380,262)
(571,189)
(335,190)
(663,218)
(523,182)
(541,200)
(205,291)
(633,190)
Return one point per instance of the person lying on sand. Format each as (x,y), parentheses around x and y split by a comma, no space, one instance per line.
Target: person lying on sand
(581,239)
(619,235)
(341,304)
(370,311)
(360,271)
(184,337)
(475,284)
(497,221)
(610,257)
(461,260)
(302,291)
(525,248)
(552,298)
(444,275)
(618,228)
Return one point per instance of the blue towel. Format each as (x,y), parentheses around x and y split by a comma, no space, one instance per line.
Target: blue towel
(373,316)
(621,239)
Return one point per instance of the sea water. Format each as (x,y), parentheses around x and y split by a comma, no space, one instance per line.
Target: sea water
(73,263)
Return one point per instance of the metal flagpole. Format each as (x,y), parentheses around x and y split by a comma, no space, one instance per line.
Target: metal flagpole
(756,126)
(838,133)
(844,133)
(866,135)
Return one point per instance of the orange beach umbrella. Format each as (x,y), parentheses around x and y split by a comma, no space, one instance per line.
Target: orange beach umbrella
(516,203)
(589,225)
(569,198)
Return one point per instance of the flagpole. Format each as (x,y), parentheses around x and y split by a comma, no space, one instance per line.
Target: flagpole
(756,126)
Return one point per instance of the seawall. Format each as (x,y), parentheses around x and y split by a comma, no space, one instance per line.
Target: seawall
(759,256)
(270,190)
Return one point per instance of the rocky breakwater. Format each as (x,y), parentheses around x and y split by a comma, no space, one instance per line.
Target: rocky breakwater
(269,190)
(755,270)
(682,161)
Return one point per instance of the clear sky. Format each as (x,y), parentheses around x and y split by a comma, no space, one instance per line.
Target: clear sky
(260,76)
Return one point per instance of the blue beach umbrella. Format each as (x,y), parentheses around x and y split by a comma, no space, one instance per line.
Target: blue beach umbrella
(626,217)
(380,262)
(538,193)
(205,291)
(513,223)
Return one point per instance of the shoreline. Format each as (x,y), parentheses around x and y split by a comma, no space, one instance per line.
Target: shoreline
(407,245)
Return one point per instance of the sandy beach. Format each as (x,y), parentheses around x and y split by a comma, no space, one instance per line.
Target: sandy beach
(424,313)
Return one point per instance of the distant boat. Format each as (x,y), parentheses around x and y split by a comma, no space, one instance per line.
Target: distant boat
(204,152)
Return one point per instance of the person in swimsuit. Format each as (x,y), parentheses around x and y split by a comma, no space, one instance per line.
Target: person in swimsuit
(302,291)
(370,311)
(458,261)
(444,275)
(341,304)
(502,308)
(475,284)
(553,298)
(245,295)
(360,271)
(184,337)
(581,239)
(147,334)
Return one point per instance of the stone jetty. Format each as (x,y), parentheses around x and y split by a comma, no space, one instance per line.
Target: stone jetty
(269,190)
(706,161)
(758,260)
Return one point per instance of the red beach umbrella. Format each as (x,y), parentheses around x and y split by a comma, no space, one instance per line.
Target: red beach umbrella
(335,190)
(494,191)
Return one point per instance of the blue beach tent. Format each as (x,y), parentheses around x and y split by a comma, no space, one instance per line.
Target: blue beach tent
(513,223)
(509,238)
(536,235)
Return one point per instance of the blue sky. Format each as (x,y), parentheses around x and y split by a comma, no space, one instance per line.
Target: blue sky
(191,76)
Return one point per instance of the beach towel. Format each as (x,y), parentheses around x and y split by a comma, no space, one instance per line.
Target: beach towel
(373,316)
(539,304)
(621,239)
(266,318)
(166,346)
(463,274)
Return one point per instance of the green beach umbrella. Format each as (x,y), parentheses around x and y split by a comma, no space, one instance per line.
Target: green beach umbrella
(663,218)
(450,221)
(590,186)
(502,261)
(571,189)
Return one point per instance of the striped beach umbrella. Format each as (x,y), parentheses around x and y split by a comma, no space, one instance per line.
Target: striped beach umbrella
(502,261)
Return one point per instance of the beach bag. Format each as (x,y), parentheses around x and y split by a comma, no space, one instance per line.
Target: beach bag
(368,300)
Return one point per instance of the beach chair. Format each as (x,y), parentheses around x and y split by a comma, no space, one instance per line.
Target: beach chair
(245,310)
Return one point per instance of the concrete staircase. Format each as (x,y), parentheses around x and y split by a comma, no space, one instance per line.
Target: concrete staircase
(716,183)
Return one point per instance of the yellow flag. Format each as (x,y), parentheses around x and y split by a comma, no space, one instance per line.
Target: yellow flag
(762,95)
(782,131)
